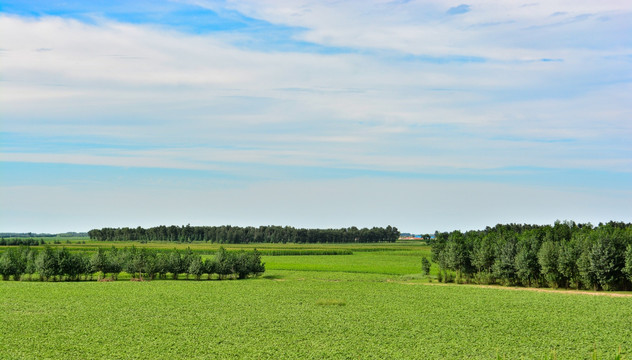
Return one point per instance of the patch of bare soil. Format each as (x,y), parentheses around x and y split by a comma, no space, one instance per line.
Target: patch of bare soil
(574,292)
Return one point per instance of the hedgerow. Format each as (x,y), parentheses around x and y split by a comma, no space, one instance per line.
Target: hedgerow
(25,263)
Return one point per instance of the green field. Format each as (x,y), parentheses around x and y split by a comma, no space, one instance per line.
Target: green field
(369,305)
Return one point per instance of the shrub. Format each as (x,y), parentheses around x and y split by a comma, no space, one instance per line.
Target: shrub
(425,266)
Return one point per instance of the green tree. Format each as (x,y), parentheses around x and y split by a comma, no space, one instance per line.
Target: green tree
(162,265)
(456,255)
(210,267)
(46,263)
(152,267)
(606,263)
(84,264)
(256,266)
(20,257)
(7,265)
(223,263)
(114,262)
(505,264)
(548,260)
(425,266)
(186,261)
(527,268)
(628,262)
(137,262)
(567,264)
(30,263)
(65,263)
(196,267)
(483,256)
(175,264)
(70,265)
(586,274)
(99,262)
(241,265)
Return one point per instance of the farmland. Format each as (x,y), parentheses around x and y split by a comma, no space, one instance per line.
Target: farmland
(371,304)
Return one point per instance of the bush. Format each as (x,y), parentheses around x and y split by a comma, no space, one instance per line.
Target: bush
(425,266)
(484,278)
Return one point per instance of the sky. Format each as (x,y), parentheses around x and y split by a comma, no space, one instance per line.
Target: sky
(424,115)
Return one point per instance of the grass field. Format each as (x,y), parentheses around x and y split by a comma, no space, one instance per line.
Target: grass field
(369,305)
(388,262)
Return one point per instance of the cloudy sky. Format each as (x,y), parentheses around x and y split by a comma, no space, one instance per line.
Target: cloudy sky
(425,115)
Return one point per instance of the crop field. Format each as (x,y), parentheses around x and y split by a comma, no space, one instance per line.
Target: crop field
(388,262)
(84,244)
(369,305)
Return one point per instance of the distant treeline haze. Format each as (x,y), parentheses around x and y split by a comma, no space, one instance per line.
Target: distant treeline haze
(243,235)
(563,255)
(20,241)
(54,264)
(40,235)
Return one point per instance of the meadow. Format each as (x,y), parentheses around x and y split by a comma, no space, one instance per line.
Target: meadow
(373,304)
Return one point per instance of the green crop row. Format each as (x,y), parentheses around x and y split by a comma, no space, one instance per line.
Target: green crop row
(305,252)
(305,315)
(368,305)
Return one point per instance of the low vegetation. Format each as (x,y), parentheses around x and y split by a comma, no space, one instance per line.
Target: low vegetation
(370,301)
(288,314)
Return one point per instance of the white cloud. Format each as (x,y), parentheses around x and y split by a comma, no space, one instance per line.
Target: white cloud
(399,101)
(163,88)
(494,29)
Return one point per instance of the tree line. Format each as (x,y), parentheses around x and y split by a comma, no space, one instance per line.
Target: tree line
(30,235)
(40,235)
(565,254)
(25,263)
(243,235)
(18,242)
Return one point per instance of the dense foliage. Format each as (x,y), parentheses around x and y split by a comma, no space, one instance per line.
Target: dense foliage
(61,264)
(563,255)
(244,235)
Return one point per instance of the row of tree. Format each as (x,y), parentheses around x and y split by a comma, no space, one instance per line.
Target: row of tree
(565,254)
(53,264)
(18,242)
(30,235)
(243,235)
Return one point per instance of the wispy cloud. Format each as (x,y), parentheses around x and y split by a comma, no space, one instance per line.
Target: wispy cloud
(457,10)
(269,90)
(169,89)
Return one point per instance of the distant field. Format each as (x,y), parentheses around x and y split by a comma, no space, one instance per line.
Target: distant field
(369,305)
(87,245)
(391,262)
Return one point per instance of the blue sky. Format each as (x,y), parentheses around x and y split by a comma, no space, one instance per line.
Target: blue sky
(425,115)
